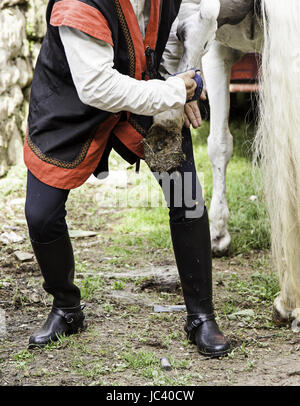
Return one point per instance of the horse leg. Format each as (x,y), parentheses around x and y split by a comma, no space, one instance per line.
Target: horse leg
(286,307)
(217,66)
(195,28)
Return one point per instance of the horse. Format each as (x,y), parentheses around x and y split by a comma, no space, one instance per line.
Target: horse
(213,35)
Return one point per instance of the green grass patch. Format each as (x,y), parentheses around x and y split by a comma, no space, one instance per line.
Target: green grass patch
(90,285)
(144,226)
(261,287)
(140,359)
(23,359)
(248,223)
(147,365)
(119,285)
(24,355)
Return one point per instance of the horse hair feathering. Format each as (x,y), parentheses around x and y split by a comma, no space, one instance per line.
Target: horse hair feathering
(277,143)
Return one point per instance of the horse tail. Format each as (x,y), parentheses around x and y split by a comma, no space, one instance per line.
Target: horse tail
(277,143)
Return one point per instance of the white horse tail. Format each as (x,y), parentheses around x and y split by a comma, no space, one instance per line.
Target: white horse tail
(277,144)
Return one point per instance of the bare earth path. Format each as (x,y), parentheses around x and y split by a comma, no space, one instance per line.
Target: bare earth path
(125,337)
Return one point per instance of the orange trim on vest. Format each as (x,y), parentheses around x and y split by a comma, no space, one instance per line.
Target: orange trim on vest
(71,178)
(79,15)
(136,36)
(129,136)
(135,32)
(153,25)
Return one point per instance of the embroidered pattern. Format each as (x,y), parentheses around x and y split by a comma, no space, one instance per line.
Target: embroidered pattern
(57,162)
(128,39)
(137,126)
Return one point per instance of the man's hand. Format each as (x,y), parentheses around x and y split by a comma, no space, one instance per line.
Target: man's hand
(192,115)
(190,83)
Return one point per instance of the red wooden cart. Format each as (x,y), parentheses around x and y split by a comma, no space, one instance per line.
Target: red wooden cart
(244,74)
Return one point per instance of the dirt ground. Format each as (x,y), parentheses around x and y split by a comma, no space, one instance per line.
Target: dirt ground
(125,337)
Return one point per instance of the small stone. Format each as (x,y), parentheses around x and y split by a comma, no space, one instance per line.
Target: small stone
(82,233)
(165,364)
(35,298)
(168,309)
(10,237)
(23,256)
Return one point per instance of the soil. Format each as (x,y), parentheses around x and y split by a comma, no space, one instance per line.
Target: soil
(163,149)
(124,338)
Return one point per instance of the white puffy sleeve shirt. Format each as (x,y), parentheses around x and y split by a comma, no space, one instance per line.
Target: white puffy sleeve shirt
(99,85)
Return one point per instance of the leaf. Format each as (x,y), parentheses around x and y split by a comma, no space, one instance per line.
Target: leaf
(241,313)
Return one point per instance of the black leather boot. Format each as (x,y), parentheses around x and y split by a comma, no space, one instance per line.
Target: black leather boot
(59,322)
(192,249)
(56,261)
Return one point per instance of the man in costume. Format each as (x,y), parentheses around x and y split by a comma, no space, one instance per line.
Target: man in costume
(91,94)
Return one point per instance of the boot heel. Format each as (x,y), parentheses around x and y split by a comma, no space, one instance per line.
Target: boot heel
(75,321)
(77,328)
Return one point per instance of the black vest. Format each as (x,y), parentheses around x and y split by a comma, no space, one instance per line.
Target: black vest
(60,127)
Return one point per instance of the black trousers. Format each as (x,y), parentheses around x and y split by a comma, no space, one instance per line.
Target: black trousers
(45,205)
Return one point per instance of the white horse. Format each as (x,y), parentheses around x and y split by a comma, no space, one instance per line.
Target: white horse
(225,30)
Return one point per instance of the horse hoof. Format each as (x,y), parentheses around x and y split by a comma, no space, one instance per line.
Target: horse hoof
(221,253)
(278,319)
(281,315)
(163,149)
(296,326)
(296,320)
(221,246)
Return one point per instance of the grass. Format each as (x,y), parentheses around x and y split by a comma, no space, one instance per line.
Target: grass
(246,295)
(23,359)
(24,355)
(119,285)
(146,364)
(90,285)
(140,360)
(248,222)
(261,288)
